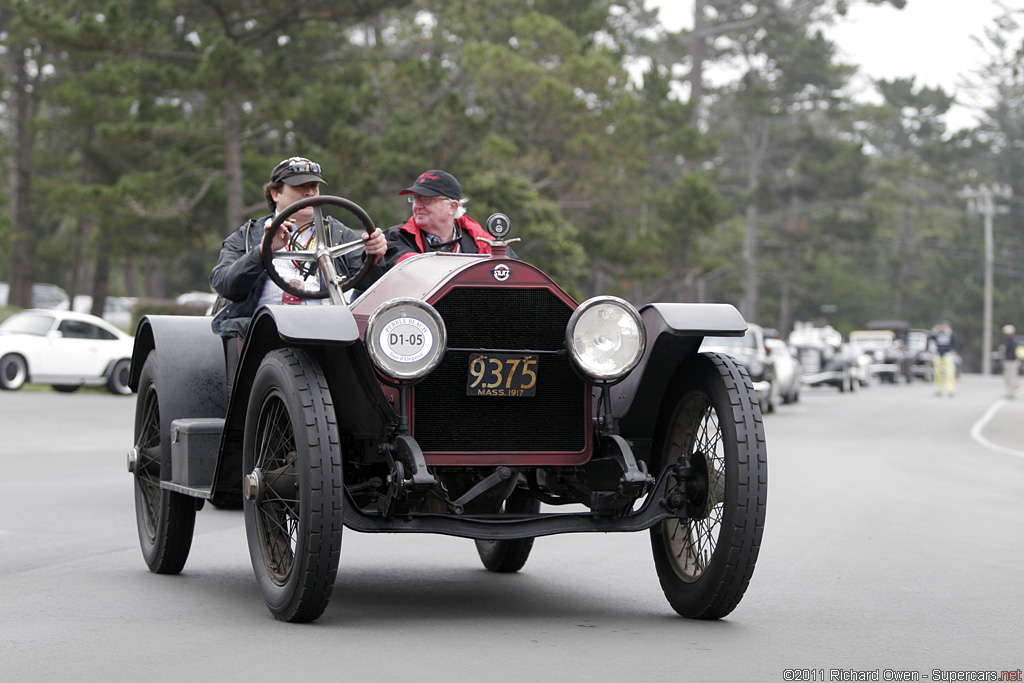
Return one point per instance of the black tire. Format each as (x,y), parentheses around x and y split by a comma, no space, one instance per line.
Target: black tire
(506,557)
(291,447)
(67,388)
(706,557)
(117,381)
(166,519)
(13,372)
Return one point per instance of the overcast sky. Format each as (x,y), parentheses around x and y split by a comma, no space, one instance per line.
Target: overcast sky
(928,39)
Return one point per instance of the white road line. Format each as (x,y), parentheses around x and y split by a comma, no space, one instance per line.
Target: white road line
(980,425)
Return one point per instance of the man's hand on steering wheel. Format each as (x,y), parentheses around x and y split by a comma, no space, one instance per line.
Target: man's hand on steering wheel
(376,244)
(283,235)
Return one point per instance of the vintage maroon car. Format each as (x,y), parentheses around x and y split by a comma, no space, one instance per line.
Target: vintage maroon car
(460,394)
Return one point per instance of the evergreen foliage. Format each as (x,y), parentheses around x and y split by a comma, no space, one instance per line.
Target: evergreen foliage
(138,134)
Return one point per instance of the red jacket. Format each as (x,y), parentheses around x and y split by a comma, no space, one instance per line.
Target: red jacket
(407,240)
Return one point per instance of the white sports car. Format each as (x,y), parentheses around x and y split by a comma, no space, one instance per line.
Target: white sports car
(66,349)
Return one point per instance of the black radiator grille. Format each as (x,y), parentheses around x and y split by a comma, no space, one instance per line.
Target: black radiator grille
(447,420)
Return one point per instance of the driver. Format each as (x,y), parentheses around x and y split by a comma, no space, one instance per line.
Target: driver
(438,222)
(239,275)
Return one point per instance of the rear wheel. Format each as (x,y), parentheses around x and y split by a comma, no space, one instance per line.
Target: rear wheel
(292,460)
(706,556)
(509,556)
(166,520)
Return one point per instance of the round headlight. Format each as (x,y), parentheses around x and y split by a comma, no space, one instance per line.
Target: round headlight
(605,338)
(406,339)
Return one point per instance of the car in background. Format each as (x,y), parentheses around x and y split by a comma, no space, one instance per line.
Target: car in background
(888,362)
(44,295)
(860,363)
(752,354)
(201,301)
(920,355)
(820,351)
(65,349)
(787,370)
(117,310)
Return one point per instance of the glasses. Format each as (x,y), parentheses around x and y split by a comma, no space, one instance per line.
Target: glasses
(427,201)
(297,165)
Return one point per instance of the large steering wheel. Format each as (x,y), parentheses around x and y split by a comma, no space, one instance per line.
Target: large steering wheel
(323,254)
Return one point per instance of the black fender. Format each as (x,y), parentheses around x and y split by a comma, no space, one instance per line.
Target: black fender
(190,372)
(331,336)
(674,334)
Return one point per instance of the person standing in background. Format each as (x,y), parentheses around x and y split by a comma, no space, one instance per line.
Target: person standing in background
(944,339)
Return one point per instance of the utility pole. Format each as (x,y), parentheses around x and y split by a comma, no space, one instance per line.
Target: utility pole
(982,201)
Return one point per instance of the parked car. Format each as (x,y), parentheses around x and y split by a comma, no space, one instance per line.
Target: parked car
(888,362)
(820,351)
(65,349)
(44,295)
(117,310)
(456,395)
(751,352)
(788,370)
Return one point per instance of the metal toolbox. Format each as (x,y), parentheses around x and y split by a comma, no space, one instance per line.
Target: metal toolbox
(194,445)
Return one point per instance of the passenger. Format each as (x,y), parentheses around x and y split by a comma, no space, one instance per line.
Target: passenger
(1012,351)
(944,338)
(239,276)
(438,222)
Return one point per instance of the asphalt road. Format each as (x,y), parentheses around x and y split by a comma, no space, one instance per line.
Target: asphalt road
(893,543)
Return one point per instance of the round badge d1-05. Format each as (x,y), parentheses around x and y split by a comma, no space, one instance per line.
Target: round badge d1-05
(406,339)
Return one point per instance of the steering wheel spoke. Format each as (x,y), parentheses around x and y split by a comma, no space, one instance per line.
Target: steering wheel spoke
(305,255)
(347,248)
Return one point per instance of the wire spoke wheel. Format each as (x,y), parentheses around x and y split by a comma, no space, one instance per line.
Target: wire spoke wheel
(692,542)
(291,460)
(711,446)
(165,519)
(277,518)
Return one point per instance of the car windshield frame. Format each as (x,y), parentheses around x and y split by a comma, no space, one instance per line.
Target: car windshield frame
(747,341)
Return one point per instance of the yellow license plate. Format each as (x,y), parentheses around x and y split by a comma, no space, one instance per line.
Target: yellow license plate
(502,374)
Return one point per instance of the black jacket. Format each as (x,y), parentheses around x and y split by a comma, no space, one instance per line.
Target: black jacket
(239,275)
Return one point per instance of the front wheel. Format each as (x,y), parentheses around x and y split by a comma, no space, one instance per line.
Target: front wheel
(711,427)
(120,374)
(166,520)
(506,557)
(291,459)
(13,372)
